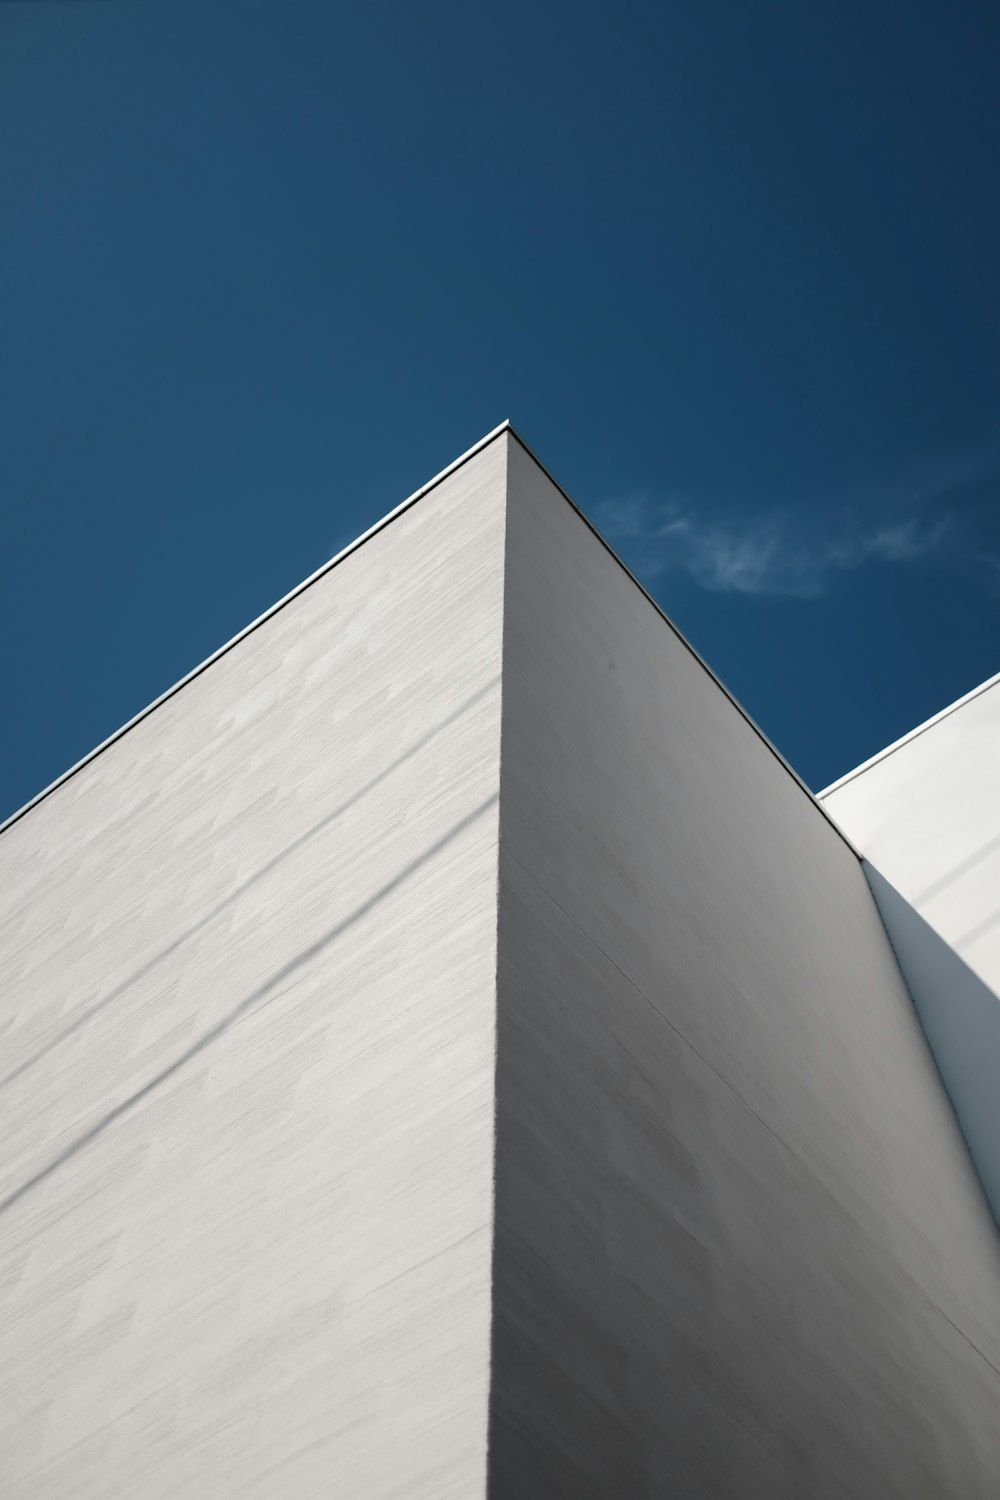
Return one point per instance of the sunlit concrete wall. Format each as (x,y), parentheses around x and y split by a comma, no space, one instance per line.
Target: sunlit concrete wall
(740,1247)
(926,813)
(260,1016)
(961,1020)
(249,975)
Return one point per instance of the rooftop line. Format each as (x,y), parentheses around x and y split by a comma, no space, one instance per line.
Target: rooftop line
(248,629)
(911,734)
(505,426)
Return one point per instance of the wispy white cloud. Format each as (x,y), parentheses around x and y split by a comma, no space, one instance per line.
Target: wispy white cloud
(794,552)
(775,553)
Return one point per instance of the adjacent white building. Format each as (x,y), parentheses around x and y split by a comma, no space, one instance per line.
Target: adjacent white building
(449,1053)
(925,814)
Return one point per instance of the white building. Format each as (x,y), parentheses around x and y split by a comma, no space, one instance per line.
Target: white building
(925,814)
(450,1053)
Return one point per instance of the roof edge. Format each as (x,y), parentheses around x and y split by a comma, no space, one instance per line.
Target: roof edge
(911,734)
(813,797)
(248,629)
(491,436)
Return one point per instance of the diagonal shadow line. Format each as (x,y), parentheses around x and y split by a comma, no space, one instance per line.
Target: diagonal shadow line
(247,1004)
(234,895)
(975,933)
(956,872)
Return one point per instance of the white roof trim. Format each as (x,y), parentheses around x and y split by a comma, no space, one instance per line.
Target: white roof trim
(457,463)
(273,610)
(911,735)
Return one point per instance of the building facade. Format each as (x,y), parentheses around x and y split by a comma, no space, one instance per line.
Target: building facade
(450,1053)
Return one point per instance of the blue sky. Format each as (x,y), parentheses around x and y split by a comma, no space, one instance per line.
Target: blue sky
(731,270)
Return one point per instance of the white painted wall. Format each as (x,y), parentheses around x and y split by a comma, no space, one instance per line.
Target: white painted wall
(740,1248)
(247,1065)
(961,1020)
(258,1017)
(926,814)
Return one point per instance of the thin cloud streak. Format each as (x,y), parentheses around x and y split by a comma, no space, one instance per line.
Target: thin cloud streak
(776,554)
(800,552)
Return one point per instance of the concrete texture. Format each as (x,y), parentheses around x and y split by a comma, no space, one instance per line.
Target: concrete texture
(249,960)
(318,1181)
(740,1246)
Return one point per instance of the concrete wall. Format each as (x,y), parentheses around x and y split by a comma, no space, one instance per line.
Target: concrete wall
(961,1020)
(249,965)
(259,1016)
(740,1246)
(926,814)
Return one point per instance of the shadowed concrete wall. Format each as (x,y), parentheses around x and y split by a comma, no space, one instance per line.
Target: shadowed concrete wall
(961,1020)
(249,974)
(259,1018)
(740,1247)
(926,814)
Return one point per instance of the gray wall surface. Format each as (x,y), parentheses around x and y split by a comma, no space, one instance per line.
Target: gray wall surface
(961,1020)
(249,982)
(740,1246)
(260,1232)
(926,813)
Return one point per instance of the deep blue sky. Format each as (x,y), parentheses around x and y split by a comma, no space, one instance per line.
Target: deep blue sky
(731,268)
